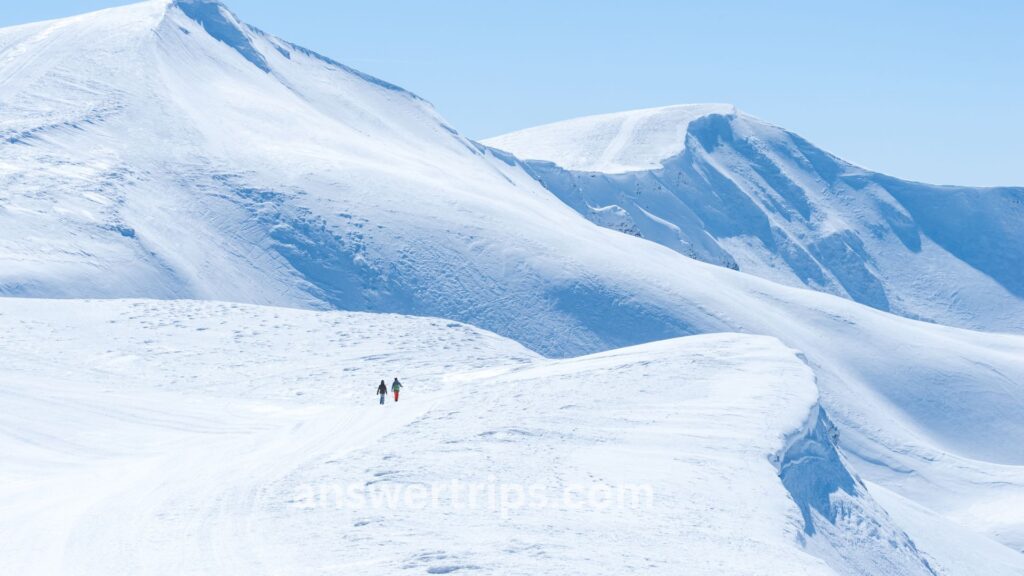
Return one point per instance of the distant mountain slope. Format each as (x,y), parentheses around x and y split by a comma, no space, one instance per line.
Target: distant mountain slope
(166,150)
(726,188)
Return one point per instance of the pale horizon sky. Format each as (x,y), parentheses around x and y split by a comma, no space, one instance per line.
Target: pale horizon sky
(928,91)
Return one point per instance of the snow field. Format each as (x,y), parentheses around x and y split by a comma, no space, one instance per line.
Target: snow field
(180,437)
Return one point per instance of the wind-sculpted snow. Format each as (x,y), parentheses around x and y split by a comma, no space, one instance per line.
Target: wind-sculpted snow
(843,525)
(224,26)
(729,189)
(811,470)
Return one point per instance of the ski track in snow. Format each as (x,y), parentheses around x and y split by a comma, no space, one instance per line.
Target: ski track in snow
(156,435)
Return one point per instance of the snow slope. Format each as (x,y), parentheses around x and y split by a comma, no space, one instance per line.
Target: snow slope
(180,437)
(727,188)
(165,150)
(610,143)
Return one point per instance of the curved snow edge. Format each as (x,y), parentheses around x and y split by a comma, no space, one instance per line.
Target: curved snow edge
(843,525)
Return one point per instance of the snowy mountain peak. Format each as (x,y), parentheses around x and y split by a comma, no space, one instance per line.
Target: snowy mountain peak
(614,143)
(222,24)
(257,47)
(733,190)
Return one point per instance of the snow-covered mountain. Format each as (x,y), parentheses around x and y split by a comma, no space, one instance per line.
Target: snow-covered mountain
(166,150)
(726,188)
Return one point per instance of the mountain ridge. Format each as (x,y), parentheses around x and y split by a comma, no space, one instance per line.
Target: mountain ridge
(615,143)
(735,191)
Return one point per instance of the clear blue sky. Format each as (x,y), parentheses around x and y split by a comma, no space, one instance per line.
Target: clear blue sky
(927,90)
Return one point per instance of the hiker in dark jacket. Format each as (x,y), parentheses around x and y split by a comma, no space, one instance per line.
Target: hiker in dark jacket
(382,391)
(395,387)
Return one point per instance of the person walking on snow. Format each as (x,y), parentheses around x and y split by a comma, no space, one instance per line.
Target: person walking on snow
(382,391)
(395,387)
